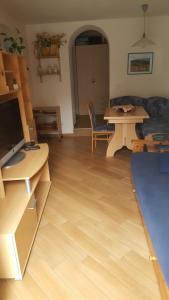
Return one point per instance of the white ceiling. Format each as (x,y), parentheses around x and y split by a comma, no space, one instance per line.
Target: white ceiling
(46,11)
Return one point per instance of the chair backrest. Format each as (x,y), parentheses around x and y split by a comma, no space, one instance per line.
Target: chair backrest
(92,115)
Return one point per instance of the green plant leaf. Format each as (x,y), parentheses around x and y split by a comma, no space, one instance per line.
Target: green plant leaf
(21,39)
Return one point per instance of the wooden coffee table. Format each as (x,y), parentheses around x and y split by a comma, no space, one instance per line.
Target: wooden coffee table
(125,130)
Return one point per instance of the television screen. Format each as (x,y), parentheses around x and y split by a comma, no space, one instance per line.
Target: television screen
(11,132)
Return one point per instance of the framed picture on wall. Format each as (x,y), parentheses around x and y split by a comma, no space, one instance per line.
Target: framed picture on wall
(140,63)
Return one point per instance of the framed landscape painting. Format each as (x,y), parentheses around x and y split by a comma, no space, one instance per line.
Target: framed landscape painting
(140,63)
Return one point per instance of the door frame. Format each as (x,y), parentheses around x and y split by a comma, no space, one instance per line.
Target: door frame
(72,65)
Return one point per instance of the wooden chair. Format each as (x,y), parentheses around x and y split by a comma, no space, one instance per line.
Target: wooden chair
(99,133)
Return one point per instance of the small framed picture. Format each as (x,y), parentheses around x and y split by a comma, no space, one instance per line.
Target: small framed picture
(140,63)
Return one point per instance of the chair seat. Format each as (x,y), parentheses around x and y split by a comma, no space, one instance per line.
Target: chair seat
(104,127)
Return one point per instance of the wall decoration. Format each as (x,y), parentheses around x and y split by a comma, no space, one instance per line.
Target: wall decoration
(140,63)
(47,46)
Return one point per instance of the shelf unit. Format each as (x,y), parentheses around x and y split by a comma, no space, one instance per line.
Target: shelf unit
(20,211)
(13,66)
(48,120)
(24,187)
(45,63)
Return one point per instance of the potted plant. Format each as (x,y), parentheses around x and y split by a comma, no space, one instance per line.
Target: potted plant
(13,44)
(56,42)
(48,45)
(15,85)
(42,44)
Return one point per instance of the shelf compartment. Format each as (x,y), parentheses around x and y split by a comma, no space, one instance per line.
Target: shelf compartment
(24,236)
(48,120)
(10,76)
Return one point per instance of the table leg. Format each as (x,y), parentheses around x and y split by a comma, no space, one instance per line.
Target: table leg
(116,142)
(123,136)
(130,135)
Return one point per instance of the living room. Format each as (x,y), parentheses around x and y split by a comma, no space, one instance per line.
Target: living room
(90,243)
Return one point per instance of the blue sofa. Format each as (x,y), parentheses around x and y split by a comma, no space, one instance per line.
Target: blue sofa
(156,107)
(150,176)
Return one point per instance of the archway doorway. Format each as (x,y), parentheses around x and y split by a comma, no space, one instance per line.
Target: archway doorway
(91,76)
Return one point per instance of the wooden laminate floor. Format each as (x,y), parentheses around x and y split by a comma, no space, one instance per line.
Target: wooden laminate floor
(90,244)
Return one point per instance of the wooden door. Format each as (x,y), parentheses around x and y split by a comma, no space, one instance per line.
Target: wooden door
(92,77)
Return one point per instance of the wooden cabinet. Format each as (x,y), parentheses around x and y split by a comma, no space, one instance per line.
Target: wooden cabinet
(48,120)
(14,84)
(21,210)
(25,186)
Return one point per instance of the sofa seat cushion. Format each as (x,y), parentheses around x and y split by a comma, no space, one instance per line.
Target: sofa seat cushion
(152,189)
(155,125)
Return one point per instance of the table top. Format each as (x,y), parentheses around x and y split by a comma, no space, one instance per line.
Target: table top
(137,113)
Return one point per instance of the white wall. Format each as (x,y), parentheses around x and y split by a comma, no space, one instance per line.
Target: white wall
(11,23)
(121,34)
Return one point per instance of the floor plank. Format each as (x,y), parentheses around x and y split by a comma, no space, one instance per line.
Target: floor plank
(91,243)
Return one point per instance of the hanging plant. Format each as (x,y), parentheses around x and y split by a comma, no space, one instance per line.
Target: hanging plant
(48,45)
(13,44)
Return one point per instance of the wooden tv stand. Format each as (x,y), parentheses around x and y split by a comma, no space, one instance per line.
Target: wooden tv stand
(21,210)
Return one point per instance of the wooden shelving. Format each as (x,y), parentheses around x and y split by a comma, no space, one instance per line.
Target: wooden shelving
(13,68)
(23,190)
(47,67)
(20,212)
(48,120)
(47,47)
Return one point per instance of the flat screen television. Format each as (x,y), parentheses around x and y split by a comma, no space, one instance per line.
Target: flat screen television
(11,130)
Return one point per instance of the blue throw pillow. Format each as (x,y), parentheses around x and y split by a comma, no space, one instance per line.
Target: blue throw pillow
(164,162)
